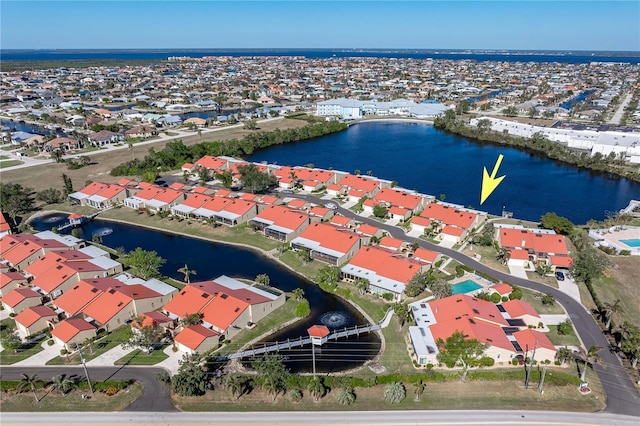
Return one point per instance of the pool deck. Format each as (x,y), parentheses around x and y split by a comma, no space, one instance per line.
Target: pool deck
(613,237)
(469,276)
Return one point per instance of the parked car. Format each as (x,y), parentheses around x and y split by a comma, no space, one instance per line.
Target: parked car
(559,276)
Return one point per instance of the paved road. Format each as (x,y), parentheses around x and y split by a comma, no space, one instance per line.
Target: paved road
(622,395)
(326,418)
(155,396)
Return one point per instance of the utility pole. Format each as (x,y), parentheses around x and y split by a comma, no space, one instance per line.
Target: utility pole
(84,365)
(544,371)
(526,383)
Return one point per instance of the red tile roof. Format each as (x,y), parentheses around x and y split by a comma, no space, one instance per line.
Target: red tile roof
(449,215)
(29,316)
(528,338)
(77,297)
(107,305)
(18,295)
(386,263)
(398,198)
(188,301)
(69,328)
(223,310)
(318,331)
(193,336)
(539,243)
(361,183)
(518,308)
(331,237)
(211,163)
(9,277)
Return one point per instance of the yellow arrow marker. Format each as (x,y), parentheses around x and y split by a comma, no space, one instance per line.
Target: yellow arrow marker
(490,183)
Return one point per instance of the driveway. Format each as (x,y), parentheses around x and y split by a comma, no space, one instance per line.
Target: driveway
(41,358)
(569,287)
(518,271)
(109,358)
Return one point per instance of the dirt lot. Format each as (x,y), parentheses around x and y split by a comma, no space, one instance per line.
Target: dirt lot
(49,175)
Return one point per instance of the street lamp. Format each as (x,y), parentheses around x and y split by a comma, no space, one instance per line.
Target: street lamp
(84,365)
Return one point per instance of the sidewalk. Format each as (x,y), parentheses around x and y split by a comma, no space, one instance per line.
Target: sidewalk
(172,363)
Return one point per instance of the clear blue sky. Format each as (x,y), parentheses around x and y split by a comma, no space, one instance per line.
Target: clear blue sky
(515,24)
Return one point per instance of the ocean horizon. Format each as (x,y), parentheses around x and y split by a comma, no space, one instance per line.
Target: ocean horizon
(562,56)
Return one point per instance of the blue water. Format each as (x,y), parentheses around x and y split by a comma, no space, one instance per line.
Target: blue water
(632,243)
(577,99)
(161,54)
(211,260)
(421,157)
(465,287)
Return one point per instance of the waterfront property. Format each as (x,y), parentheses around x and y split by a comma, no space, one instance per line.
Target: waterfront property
(349,109)
(386,271)
(505,328)
(328,243)
(528,248)
(618,238)
(281,223)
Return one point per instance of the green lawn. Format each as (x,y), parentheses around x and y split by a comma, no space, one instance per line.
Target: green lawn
(138,357)
(560,340)
(97,348)
(10,163)
(533,298)
(73,401)
(9,356)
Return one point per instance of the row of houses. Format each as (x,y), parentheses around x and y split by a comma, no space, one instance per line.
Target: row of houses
(56,283)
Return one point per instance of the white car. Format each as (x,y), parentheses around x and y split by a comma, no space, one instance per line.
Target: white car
(331,206)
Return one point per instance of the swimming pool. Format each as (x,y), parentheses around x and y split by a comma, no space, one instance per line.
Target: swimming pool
(632,243)
(465,287)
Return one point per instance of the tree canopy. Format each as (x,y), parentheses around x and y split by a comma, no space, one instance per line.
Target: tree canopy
(559,224)
(253,180)
(460,352)
(146,263)
(15,199)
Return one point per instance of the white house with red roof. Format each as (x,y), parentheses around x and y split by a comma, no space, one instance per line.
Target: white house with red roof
(196,338)
(387,271)
(72,332)
(531,247)
(328,243)
(34,320)
(455,222)
(506,337)
(102,195)
(10,281)
(19,299)
(280,222)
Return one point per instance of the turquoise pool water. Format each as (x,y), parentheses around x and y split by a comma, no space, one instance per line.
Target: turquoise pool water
(632,243)
(465,287)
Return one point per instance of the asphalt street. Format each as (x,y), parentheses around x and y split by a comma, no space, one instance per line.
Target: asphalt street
(155,396)
(622,395)
(325,418)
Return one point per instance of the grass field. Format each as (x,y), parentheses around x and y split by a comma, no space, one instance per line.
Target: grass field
(73,401)
(139,357)
(10,163)
(49,175)
(9,356)
(621,281)
(533,298)
(455,395)
(560,340)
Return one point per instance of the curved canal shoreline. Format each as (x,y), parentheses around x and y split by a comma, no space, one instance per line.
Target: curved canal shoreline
(268,254)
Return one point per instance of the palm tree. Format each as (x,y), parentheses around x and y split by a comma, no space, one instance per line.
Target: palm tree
(362,285)
(418,389)
(345,396)
(395,392)
(316,388)
(298,294)
(631,347)
(30,382)
(564,354)
(235,384)
(62,383)
(273,385)
(187,273)
(627,332)
(609,310)
(191,319)
(401,309)
(589,357)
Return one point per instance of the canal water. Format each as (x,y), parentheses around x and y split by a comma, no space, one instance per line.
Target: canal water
(420,157)
(211,260)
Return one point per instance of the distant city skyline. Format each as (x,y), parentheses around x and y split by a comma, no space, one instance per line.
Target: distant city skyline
(509,25)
